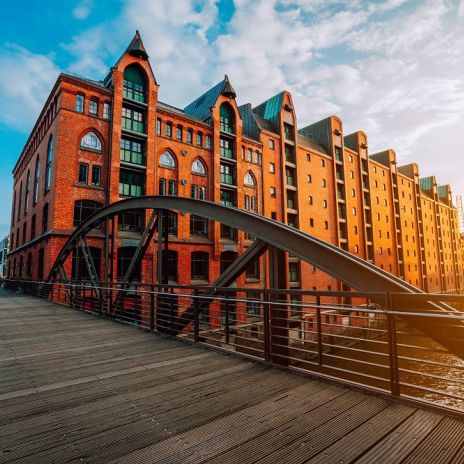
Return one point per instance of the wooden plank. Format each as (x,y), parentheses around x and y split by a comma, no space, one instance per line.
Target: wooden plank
(399,444)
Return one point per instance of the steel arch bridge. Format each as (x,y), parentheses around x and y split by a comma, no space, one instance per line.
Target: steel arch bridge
(270,235)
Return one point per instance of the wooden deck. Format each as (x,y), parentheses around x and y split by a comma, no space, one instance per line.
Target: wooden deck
(75,388)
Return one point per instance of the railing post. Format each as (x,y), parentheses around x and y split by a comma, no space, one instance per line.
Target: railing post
(100,301)
(196,315)
(393,348)
(267,326)
(319,330)
(227,321)
(152,308)
(171,310)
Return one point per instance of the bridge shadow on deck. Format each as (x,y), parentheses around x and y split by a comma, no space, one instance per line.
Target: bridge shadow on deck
(75,388)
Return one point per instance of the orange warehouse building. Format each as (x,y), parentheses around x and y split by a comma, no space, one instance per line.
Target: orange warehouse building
(97,142)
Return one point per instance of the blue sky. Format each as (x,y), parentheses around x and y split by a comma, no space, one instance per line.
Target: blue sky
(393,68)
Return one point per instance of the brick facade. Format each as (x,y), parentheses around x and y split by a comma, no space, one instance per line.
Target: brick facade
(315,178)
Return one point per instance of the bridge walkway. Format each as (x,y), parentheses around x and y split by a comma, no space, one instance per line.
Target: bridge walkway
(75,388)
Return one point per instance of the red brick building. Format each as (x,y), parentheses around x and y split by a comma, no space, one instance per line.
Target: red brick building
(96,142)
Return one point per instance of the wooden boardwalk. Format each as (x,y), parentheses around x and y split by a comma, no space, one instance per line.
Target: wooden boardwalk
(75,388)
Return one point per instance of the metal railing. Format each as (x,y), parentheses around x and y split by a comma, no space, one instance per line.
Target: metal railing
(340,335)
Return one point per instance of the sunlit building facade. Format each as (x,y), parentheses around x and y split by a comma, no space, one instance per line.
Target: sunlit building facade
(96,142)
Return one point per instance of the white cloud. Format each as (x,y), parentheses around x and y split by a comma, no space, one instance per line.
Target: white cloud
(26,79)
(393,68)
(83,9)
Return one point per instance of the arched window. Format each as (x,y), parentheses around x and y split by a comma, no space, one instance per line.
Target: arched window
(226,118)
(134,85)
(249,180)
(90,140)
(167,160)
(198,167)
(48,166)
(83,209)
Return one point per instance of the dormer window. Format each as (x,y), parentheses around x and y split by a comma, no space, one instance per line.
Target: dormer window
(91,141)
(134,85)
(226,118)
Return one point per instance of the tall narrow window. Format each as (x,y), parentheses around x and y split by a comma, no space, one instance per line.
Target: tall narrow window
(33,227)
(199,139)
(83,173)
(168,129)
(194,191)
(162,187)
(106,111)
(26,196)
(199,265)
(172,188)
(158,126)
(36,181)
(208,142)
(13,210)
(20,201)
(202,193)
(190,136)
(179,132)
(45,218)
(80,103)
(93,107)
(48,166)
(96,176)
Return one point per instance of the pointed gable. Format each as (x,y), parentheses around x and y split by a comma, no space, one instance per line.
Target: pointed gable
(136,47)
(201,107)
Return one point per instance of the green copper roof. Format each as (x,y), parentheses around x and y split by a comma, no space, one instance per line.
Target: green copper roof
(318,132)
(270,109)
(351,141)
(426,183)
(201,107)
(251,128)
(443,191)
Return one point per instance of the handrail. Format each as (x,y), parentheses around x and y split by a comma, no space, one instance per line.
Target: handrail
(365,344)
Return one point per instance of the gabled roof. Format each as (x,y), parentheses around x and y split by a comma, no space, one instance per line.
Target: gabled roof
(270,109)
(201,107)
